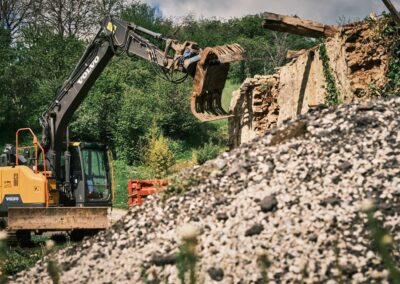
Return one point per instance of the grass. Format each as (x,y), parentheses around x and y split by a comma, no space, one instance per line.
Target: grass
(16,259)
(183,151)
(123,172)
(185,157)
(230,87)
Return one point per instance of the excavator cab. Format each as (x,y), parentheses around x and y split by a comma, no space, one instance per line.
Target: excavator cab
(91,174)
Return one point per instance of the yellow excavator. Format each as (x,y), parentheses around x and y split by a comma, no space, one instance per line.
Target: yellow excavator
(56,184)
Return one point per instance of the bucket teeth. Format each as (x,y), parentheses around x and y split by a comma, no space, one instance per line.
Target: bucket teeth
(209,81)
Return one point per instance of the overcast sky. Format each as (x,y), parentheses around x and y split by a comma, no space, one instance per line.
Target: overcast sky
(326,11)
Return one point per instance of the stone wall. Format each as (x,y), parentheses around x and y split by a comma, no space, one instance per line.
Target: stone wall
(358,63)
(255,108)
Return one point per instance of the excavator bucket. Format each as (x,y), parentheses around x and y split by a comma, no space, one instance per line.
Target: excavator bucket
(209,80)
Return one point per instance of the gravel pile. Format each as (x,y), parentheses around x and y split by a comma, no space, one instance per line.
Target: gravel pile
(292,196)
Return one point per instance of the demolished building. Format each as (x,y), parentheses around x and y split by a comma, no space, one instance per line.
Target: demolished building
(348,66)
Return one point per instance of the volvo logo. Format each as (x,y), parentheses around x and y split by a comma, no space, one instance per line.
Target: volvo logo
(12,198)
(88,70)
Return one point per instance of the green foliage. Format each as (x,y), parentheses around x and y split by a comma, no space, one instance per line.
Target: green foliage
(391,32)
(2,260)
(6,55)
(230,87)
(186,261)
(382,242)
(18,259)
(128,96)
(208,152)
(146,16)
(394,71)
(33,70)
(333,95)
(388,34)
(178,186)
(160,157)
(125,101)
(14,259)
(265,49)
(97,118)
(263,263)
(53,270)
(123,172)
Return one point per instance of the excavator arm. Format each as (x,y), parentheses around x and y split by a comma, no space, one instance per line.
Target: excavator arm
(114,37)
(209,69)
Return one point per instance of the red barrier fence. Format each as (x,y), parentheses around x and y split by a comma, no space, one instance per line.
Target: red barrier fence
(138,189)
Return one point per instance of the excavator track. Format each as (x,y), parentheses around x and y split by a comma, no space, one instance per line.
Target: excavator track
(209,81)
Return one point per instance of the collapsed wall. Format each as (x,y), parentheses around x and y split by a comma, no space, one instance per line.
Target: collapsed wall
(355,59)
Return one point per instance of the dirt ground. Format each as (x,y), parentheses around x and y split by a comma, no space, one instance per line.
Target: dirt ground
(117,214)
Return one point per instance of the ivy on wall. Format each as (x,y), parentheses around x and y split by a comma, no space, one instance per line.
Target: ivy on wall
(392,32)
(333,95)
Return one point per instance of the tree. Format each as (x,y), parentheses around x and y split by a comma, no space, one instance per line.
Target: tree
(32,72)
(14,14)
(142,14)
(160,158)
(73,18)
(5,58)
(109,7)
(66,17)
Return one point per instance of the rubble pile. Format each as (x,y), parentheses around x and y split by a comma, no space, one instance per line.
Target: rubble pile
(291,198)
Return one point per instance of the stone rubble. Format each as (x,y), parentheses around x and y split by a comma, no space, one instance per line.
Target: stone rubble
(296,203)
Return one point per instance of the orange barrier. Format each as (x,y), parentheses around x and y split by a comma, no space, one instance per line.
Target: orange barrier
(138,189)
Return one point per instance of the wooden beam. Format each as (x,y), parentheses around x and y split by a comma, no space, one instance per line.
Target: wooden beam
(393,11)
(297,26)
(295,53)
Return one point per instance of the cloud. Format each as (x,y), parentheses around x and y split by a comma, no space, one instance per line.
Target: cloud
(326,11)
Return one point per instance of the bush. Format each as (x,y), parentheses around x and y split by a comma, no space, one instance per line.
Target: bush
(18,259)
(207,152)
(160,158)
